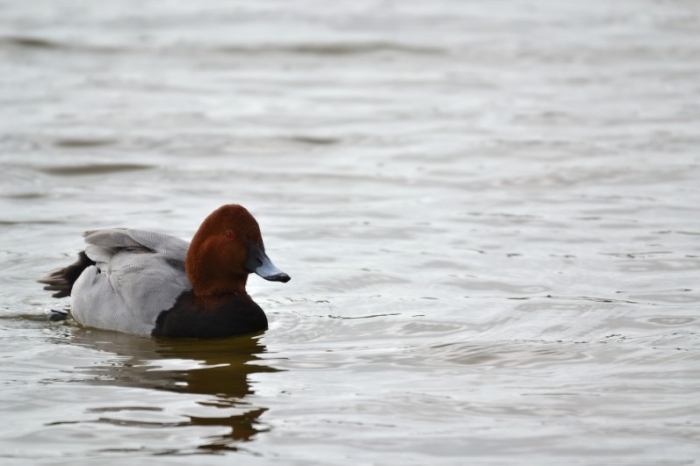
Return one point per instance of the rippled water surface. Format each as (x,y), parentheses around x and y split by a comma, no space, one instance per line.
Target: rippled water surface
(489,211)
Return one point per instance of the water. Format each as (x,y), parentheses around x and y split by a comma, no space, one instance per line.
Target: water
(489,213)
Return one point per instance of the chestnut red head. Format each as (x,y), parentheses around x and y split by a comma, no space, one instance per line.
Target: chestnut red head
(227,247)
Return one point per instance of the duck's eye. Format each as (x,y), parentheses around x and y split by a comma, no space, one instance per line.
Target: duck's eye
(230,234)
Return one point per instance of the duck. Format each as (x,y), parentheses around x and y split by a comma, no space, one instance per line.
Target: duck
(152,284)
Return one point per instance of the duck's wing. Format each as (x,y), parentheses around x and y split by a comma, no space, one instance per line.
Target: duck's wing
(105,244)
(137,274)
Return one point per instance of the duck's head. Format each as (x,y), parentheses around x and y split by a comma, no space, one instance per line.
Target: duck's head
(227,247)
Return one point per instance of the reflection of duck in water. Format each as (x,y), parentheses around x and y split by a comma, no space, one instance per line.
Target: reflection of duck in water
(219,369)
(146,283)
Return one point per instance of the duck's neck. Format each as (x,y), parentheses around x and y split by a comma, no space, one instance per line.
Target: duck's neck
(213,289)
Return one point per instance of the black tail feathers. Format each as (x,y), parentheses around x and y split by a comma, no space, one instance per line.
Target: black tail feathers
(62,280)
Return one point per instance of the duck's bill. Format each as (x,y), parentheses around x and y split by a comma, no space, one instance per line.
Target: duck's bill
(269,272)
(260,264)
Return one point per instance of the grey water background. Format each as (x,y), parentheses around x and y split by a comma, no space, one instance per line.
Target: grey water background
(489,211)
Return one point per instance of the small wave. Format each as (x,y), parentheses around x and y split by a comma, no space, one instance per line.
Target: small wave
(78,170)
(24,196)
(357,48)
(29,42)
(29,222)
(313,140)
(328,49)
(82,142)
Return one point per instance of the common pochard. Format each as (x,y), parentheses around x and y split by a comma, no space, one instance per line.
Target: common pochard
(147,283)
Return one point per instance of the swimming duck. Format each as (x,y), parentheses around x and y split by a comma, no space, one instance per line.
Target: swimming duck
(147,283)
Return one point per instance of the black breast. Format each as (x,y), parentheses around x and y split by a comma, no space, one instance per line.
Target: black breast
(235,315)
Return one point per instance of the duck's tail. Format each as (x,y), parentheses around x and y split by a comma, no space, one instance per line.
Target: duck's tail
(61,281)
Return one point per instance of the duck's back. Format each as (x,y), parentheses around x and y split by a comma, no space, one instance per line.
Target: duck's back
(137,275)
